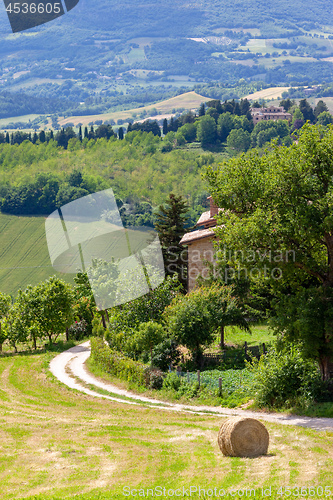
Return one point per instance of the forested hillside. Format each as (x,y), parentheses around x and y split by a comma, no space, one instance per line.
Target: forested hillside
(106,54)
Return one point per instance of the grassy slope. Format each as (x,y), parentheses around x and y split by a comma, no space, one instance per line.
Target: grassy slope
(24,255)
(189,100)
(57,443)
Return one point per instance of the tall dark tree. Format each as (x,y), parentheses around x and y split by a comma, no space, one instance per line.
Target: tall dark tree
(91,134)
(7,138)
(35,138)
(80,133)
(320,108)
(202,109)
(287,103)
(306,110)
(121,133)
(42,137)
(165,126)
(171,227)
(86,132)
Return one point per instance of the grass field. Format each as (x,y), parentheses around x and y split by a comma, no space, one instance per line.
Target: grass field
(24,257)
(14,119)
(271,93)
(57,443)
(189,100)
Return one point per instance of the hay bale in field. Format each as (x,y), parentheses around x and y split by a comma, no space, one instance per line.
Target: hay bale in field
(243,437)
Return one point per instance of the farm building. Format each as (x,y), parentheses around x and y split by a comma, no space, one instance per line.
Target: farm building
(200,245)
(271,113)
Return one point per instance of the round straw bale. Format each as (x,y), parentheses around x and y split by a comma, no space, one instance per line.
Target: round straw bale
(243,437)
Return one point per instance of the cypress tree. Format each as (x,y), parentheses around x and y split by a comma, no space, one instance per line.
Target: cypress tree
(91,134)
(80,134)
(42,136)
(86,132)
(165,126)
(171,227)
(7,138)
(121,133)
(202,110)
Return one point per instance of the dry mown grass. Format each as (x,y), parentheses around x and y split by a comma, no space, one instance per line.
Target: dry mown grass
(54,441)
(188,100)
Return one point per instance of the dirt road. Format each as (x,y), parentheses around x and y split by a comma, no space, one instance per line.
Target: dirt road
(69,367)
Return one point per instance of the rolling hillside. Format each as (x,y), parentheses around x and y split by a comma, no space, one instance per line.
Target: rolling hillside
(24,257)
(187,101)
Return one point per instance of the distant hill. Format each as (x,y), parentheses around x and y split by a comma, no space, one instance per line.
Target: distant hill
(107,54)
(187,101)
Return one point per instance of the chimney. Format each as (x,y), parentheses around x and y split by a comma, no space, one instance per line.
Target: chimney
(213,208)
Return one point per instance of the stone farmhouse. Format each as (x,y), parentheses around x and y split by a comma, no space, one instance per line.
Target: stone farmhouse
(271,113)
(200,245)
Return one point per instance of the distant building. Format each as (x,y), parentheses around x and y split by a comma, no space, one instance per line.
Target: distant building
(271,113)
(200,245)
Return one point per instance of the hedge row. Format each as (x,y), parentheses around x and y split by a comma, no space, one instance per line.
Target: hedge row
(114,363)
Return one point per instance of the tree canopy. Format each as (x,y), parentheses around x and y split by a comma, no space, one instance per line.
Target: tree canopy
(277,222)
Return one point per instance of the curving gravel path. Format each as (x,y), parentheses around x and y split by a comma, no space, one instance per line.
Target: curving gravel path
(69,367)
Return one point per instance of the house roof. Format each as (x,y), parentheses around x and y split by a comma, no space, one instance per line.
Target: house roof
(196,235)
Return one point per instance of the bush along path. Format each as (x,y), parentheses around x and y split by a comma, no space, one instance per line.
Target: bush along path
(69,368)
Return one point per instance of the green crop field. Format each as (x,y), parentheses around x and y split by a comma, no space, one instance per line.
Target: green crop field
(24,257)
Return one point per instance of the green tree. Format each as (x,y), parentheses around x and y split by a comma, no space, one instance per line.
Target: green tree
(5,302)
(171,226)
(225,124)
(297,115)
(148,336)
(278,209)
(306,110)
(325,118)
(206,131)
(202,109)
(55,308)
(321,106)
(188,322)
(103,279)
(239,140)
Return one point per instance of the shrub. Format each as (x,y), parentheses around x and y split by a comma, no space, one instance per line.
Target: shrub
(165,354)
(154,378)
(78,330)
(114,363)
(172,382)
(285,379)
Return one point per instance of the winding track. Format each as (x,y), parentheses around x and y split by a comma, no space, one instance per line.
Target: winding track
(69,368)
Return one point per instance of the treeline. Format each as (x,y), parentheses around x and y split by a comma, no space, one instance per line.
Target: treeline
(63,136)
(18,104)
(35,179)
